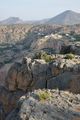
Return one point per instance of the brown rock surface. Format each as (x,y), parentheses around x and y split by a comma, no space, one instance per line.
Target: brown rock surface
(8,99)
(58,105)
(61,73)
(12,76)
(13,33)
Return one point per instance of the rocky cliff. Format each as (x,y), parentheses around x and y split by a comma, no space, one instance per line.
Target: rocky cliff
(47,105)
(47,71)
(62,73)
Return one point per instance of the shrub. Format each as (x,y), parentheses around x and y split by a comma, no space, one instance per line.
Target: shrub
(44,56)
(44,95)
(70,56)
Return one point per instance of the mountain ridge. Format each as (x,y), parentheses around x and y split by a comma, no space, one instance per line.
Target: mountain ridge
(11,20)
(67,17)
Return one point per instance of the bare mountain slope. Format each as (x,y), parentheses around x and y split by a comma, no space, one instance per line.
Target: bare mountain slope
(68,17)
(11,20)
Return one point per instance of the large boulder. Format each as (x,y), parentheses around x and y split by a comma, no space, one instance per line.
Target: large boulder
(39,71)
(11,79)
(61,82)
(24,78)
(3,74)
(27,75)
(49,42)
(8,100)
(67,75)
(19,76)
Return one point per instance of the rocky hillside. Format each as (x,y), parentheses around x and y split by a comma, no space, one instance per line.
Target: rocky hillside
(40,57)
(11,20)
(67,17)
(62,73)
(13,33)
(17,41)
(47,105)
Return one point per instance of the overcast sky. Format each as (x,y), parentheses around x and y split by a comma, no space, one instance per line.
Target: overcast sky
(36,9)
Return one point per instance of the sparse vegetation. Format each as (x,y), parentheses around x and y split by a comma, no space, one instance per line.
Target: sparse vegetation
(44,95)
(44,56)
(70,56)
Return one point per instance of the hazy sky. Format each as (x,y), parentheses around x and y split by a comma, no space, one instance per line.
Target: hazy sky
(36,9)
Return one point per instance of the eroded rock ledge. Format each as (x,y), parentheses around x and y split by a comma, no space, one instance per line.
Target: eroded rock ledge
(61,73)
(33,74)
(47,105)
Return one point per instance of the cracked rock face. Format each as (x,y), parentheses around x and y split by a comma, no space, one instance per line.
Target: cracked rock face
(27,75)
(58,105)
(61,73)
(30,75)
(8,100)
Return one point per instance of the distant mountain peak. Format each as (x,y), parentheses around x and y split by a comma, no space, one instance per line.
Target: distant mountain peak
(12,20)
(67,17)
(16,18)
(68,11)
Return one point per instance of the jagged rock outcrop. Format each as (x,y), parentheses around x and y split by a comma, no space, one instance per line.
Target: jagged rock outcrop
(12,76)
(53,41)
(47,105)
(8,101)
(27,75)
(31,74)
(60,73)
(3,74)
(71,48)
